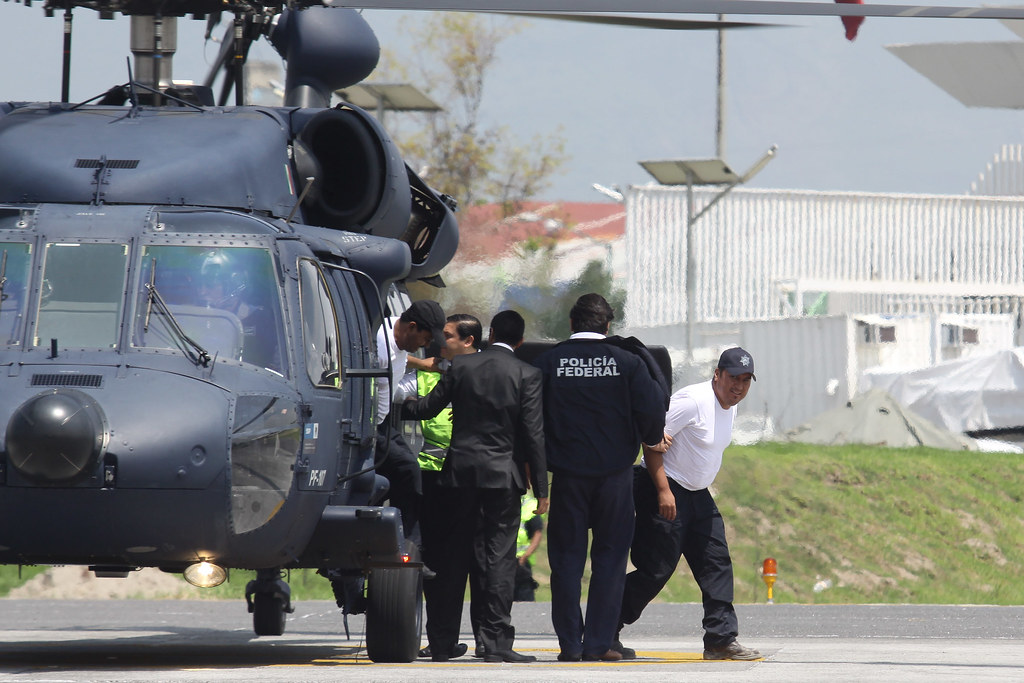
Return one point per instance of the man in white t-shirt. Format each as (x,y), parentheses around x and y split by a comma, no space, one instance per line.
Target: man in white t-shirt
(676,514)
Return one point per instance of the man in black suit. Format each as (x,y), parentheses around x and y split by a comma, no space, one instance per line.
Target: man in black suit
(496,452)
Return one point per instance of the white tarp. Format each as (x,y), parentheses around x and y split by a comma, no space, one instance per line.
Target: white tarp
(975,393)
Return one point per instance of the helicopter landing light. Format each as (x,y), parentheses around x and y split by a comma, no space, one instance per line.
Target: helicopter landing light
(205,574)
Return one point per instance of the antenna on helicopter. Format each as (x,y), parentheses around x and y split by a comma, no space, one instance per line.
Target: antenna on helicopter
(133,97)
(65,81)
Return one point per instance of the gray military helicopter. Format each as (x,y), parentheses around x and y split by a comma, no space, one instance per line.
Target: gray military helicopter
(189,293)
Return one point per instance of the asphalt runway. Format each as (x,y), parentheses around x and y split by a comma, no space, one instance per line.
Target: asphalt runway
(173,640)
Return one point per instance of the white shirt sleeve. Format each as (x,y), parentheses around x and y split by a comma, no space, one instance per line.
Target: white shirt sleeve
(407,386)
(682,413)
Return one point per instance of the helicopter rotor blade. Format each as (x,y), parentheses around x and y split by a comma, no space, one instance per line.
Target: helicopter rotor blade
(730,7)
(642,22)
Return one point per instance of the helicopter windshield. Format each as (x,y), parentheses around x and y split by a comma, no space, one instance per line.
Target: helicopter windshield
(80,301)
(15,259)
(224,298)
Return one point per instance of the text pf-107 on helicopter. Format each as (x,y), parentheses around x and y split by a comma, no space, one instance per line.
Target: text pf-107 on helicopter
(189,297)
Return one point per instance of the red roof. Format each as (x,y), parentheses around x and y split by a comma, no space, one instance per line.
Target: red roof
(484,233)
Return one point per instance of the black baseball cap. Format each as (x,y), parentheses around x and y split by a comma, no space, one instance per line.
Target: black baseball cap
(427,315)
(736,361)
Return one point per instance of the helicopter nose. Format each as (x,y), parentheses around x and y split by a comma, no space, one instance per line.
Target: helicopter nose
(56,436)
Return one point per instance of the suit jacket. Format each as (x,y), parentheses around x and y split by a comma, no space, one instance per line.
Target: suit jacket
(498,423)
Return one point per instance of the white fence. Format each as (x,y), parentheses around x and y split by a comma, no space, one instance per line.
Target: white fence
(924,253)
(1004,175)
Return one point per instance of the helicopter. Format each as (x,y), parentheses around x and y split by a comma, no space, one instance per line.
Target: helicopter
(189,296)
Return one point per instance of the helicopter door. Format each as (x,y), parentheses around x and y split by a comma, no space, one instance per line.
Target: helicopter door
(321,342)
(361,339)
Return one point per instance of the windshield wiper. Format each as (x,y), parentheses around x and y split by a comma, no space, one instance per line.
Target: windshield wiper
(195,353)
(3,277)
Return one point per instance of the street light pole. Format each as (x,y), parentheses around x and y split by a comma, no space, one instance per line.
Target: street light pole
(691,266)
(720,114)
(699,172)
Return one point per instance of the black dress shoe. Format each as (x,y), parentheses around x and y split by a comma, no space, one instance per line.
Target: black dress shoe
(569,656)
(425,651)
(457,651)
(510,656)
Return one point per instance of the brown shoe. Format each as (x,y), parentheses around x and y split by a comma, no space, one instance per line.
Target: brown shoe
(732,651)
(608,656)
(626,652)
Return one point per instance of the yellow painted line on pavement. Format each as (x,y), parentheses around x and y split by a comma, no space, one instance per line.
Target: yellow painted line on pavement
(643,657)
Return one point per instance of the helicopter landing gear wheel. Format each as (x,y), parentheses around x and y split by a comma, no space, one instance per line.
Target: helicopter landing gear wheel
(269,599)
(268,615)
(394,615)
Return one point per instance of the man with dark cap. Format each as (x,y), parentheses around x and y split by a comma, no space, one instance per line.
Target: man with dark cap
(601,401)
(676,514)
(422,322)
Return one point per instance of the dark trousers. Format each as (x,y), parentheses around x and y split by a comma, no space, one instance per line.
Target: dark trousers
(526,585)
(397,462)
(487,519)
(604,504)
(435,523)
(698,534)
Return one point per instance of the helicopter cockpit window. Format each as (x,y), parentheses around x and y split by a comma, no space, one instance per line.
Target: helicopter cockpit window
(80,296)
(319,327)
(15,259)
(224,299)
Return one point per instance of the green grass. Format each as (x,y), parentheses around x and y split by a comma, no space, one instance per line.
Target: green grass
(883,525)
(12,576)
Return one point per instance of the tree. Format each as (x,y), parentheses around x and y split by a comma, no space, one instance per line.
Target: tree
(552,320)
(454,151)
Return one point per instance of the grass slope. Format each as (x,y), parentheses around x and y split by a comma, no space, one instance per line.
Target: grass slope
(881,525)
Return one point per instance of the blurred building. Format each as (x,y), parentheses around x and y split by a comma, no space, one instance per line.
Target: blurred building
(823,286)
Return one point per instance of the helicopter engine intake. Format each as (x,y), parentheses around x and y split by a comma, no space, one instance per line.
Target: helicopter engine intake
(362,183)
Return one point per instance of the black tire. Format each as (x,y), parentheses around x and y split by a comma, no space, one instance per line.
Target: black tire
(268,615)
(394,614)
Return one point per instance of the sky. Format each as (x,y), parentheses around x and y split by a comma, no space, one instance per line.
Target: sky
(845,116)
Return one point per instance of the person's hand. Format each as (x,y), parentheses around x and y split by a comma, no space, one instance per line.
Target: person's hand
(667,505)
(428,364)
(660,446)
(542,506)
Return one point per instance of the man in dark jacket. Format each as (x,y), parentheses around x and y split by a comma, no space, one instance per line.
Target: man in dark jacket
(497,450)
(600,403)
